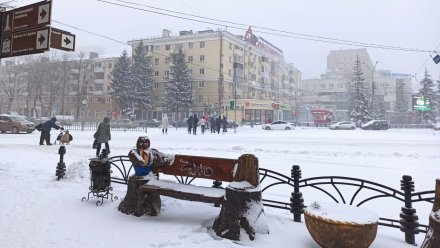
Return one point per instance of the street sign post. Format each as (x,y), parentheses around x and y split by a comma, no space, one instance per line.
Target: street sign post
(27,30)
(26,42)
(62,40)
(27,17)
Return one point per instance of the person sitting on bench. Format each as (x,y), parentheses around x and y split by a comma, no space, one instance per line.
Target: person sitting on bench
(142,157)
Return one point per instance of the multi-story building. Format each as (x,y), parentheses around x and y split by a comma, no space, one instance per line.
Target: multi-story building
(242,77)
(79,88)
(331,91)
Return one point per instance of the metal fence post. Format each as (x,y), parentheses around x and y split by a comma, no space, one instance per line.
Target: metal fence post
(409,220)
(61,167)
(296,201)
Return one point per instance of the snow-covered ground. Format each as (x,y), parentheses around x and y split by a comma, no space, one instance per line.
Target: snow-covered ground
(36,210)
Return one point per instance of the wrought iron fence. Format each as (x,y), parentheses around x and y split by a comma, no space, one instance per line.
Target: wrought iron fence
(270,180)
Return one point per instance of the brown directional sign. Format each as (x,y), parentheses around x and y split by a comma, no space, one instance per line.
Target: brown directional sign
(62,40)
(27,17)
(26,42)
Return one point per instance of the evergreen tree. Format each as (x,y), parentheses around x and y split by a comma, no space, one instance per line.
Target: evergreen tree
(437,102)
(427,91)
(121,82)
(359,103)
(142,76)
(178,89)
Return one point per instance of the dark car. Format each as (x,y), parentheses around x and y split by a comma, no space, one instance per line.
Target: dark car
(15,124)
(232,124)
(376,125)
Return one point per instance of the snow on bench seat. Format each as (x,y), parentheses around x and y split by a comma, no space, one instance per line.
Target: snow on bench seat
(185,191)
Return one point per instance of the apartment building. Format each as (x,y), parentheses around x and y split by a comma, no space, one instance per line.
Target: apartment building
(243,77)
(79,87)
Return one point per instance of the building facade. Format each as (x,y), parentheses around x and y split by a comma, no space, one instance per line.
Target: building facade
(332,90)
(80,88)
(242,77)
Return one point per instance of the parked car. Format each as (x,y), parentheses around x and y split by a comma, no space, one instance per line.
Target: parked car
(15,124)
(122,123)
(232,124)
(343,125)
(376,125)
(279,125)
(436,127)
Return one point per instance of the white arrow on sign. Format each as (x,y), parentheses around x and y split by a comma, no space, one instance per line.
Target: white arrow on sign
(42,39)
(43,13)
(67,41)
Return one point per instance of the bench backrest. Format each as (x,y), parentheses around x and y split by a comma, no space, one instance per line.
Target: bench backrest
(221,169)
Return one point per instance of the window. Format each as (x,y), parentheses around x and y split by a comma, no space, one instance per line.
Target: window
(157,48)
(166,72)
(178,46)
(202,71)
(202,58)
(156,85)
(230,46)
(156,73)
(110,65)
(190,71)
(200,98)
(190,58)
(167,60)
(190,45)
(156,98)
(230,72)
(99,75)
(98,64)
(109,77)
(202,44)
(156,61)
(201,84)
(167,47)
(230,59)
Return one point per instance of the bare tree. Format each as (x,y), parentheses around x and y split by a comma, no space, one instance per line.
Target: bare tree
(85,75)
(9,85)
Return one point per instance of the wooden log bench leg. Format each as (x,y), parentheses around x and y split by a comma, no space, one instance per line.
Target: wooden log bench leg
(138,203)
(432,238)
(243,207)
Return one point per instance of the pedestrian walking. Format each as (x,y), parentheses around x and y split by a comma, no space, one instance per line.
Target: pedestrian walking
(202,123)
(189,121)
(102,135)
(218,124)
(225,124)
(45,130)
(195,123)
(165,124)
(212,123)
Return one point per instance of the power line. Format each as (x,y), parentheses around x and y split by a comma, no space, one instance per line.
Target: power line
(125,43)
(282,33)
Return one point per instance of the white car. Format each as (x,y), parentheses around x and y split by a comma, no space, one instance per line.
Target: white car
(278,125)
(346,125)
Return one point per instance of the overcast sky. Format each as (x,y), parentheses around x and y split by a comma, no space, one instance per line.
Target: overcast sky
(399,23)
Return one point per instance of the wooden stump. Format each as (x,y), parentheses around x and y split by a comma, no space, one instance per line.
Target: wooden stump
(242,209)
(432,238)
(138,203)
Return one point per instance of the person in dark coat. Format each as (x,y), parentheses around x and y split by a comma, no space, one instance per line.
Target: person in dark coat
(225,124)
(103,135)
(195,123)
(45,130)
(218,123)
(189,122)
(212,123)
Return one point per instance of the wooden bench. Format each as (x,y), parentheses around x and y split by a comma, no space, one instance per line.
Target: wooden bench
(143,195)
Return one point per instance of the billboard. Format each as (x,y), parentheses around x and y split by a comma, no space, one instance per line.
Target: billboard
(421,103)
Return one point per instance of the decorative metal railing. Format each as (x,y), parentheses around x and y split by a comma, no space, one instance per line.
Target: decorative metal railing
(270,180)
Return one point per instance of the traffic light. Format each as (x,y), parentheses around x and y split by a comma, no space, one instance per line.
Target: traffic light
(232,105)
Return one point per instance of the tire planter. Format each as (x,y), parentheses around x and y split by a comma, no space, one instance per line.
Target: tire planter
(341,226)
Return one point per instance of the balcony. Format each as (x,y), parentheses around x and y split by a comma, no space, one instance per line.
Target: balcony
(98,69)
